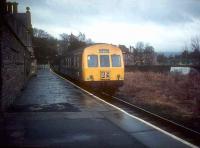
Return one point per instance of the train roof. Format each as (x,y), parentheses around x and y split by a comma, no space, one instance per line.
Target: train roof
(80,50)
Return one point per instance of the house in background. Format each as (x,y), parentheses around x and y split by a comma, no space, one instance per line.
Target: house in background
(133,57)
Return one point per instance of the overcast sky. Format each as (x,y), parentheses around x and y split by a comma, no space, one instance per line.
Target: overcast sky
(165,24)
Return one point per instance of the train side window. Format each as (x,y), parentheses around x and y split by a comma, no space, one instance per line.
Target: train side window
(77,60)
(67,62)
(74,61)
(92,61)
(80,61)
(104,61)
(116,60)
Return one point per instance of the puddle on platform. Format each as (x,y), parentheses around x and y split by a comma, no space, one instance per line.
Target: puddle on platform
(58,107)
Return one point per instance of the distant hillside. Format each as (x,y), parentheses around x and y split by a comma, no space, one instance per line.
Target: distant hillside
(169,53)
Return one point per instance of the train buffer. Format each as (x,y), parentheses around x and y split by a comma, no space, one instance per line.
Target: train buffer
(53,113)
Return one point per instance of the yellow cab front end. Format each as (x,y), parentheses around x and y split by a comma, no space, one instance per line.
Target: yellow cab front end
(103,64)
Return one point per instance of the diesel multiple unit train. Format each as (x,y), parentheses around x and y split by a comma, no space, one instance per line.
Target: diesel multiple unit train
(98,65)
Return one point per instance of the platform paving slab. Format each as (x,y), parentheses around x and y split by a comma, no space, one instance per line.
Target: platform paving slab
(53,113)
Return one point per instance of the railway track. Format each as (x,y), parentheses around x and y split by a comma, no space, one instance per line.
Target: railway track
(170,126)
(164,123)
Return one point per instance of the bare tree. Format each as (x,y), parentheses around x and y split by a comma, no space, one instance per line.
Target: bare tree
(195,45)
(162,59)
(39,33)
(138,53)
(149,55)
(81,37)
(143,54)
(45,46)
(71,42)
(139,45)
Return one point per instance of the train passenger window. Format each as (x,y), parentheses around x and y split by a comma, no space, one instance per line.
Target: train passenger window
(92,61)
(116,60)
(69,62)
(66,62)
(74,61)
(77,61)
(104,61)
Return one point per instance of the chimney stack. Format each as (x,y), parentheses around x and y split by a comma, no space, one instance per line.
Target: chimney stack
(15,7)
(28,17)
(9,7)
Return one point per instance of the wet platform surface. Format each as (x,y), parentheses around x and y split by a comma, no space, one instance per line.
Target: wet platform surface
(53,113)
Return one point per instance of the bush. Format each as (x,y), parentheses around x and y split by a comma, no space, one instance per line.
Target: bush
(180,93)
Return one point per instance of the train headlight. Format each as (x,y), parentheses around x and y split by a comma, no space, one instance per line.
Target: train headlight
(91,77)
(118,77)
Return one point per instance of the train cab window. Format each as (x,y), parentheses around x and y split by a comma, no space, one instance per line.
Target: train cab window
(104,61)
(92,61)
(116,60)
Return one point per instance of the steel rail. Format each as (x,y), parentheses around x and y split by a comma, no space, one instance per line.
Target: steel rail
(155,115)
(132,105)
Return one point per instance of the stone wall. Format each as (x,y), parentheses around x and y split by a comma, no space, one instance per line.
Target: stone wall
(15,58)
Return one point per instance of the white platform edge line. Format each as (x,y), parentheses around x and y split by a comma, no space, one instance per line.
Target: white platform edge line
(153,126)
(154,114)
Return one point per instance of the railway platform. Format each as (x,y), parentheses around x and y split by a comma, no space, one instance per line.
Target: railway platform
(53,113)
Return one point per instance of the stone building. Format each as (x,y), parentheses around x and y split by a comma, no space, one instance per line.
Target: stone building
(16,51)
(127,55)
(132,57)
